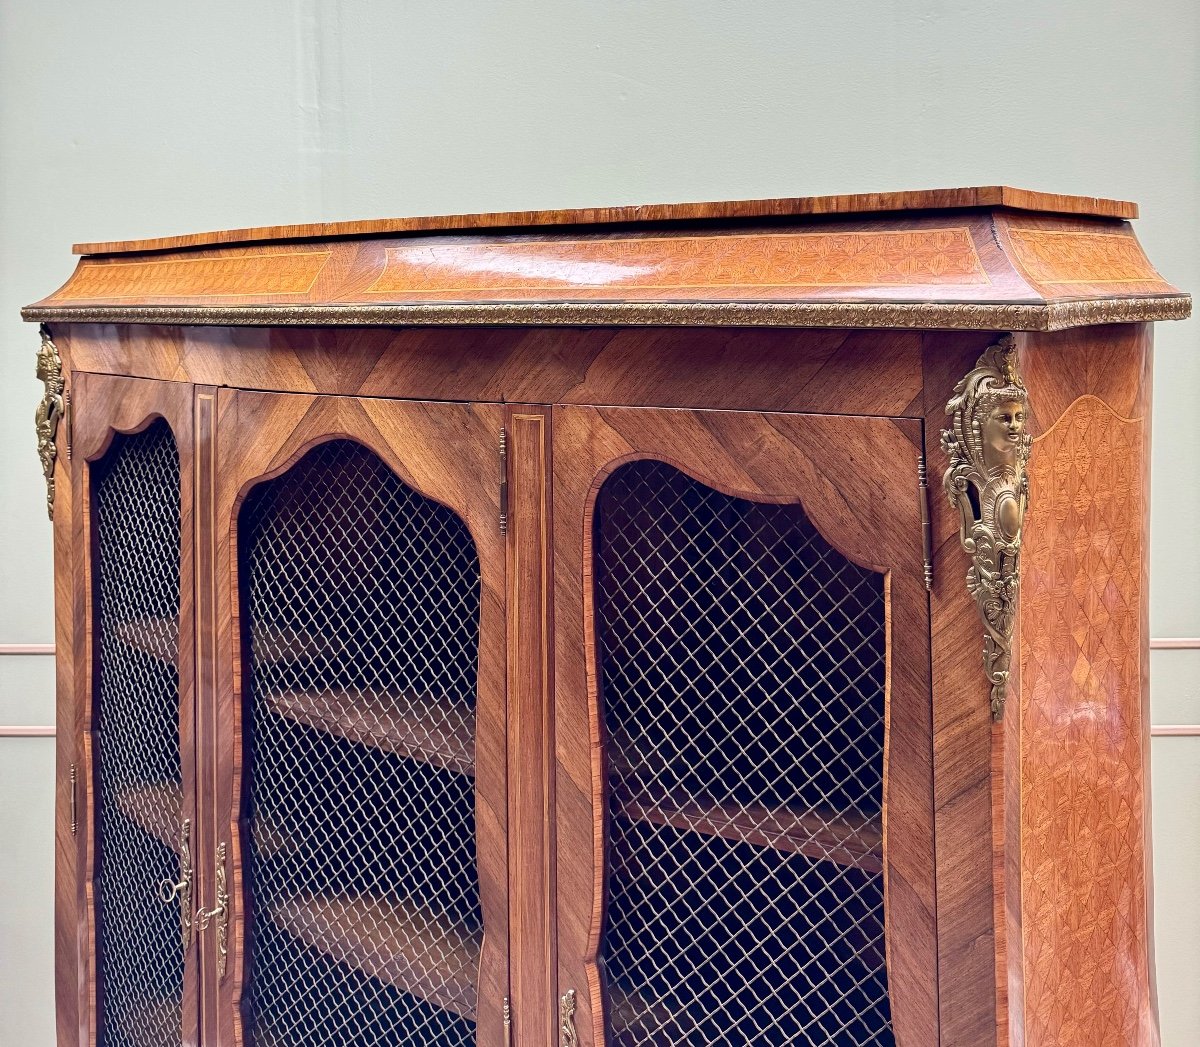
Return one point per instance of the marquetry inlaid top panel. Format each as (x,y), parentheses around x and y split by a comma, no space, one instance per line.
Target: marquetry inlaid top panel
(698,265)
(967,268)
(1071,257)
(203,277)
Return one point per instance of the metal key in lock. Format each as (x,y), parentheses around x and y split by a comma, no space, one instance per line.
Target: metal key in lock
(168,891)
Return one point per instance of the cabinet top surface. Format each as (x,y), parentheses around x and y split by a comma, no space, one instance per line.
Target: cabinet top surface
(983,258)
(776,207)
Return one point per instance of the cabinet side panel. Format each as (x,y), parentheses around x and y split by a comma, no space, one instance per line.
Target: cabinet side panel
(1084,717)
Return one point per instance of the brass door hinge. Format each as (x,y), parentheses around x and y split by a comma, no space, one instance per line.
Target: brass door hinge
(926,525)
(74,801)
(68,419)
(503,480)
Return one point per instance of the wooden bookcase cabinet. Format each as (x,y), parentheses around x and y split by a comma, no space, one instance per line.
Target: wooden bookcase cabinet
(548,636)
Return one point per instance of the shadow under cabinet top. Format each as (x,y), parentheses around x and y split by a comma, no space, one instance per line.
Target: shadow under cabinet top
(984,258)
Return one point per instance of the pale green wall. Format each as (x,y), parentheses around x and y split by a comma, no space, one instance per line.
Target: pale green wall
(157,116)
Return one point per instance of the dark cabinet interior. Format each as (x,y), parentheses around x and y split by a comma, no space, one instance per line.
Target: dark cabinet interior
(743,689)
(361,615)
(143,832)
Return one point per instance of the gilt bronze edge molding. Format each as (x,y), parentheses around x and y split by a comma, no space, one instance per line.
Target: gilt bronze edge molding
(51,410)
(970,316)
(987,485)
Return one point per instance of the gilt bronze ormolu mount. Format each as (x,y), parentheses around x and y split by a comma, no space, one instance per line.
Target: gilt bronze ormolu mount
(50,411)
(986,482)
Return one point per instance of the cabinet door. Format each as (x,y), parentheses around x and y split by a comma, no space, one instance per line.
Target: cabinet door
(742,723)
(358,727)
(134,669)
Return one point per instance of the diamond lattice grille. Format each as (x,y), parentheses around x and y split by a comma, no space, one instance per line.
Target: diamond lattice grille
(742,662)
(361,606)
(136,516)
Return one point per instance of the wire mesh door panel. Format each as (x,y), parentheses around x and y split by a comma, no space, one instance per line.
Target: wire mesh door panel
(371,649)
(738,670)
(742,664)
(142,765)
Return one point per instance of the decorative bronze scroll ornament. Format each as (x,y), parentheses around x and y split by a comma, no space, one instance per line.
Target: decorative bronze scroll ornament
(566,1019)
(986,483)
(50,411)
(220,913)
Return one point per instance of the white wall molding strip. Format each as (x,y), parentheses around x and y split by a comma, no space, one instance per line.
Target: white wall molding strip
(26,648)
(1176,730)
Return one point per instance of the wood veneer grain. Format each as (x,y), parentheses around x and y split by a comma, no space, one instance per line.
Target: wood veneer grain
(531,724)
(962,737)
(912,200)
(826,371)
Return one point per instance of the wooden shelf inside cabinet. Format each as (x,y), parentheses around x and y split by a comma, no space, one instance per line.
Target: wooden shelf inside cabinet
(854,840)
(642,1019)
(141,1023)
(155,807)
(399,942)
(433,730)
(266,1036)
(159,638)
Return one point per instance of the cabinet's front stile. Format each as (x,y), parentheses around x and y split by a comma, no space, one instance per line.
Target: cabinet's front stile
(856,480)
(212,709)
(970,923)
(444,457)
(113,413)
(72,819)
(530,723)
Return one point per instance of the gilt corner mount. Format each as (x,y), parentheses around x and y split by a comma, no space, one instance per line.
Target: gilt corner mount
(50,410)
(987,485)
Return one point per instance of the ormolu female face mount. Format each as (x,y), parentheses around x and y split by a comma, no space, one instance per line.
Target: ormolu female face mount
(986,483)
